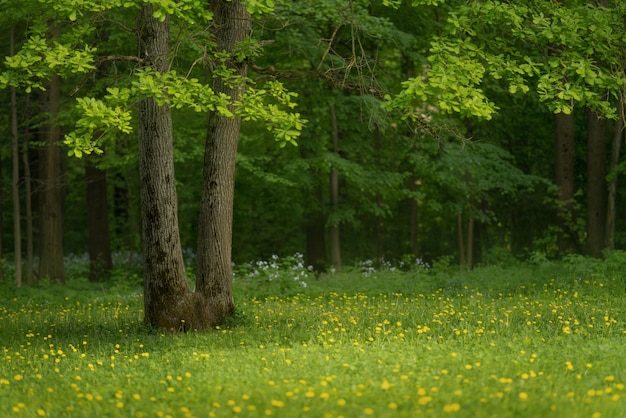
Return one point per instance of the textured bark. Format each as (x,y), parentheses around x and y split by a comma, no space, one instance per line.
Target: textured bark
(98,234)
(214,271)
(50,191)
(596,184)
(460,239)
(413,218)
(333,231)
(618,137)
(167,299)
(28,201)
(564,157)
(17,229)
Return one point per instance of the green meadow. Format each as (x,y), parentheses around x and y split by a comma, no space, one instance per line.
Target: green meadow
(535,339)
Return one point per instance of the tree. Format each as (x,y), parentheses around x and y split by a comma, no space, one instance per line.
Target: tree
(168,303)
(563,51)
(214,275)
(597,187)
(98,234)
(17,229)
(51,264)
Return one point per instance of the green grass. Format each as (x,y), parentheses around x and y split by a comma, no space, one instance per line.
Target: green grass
(541,340)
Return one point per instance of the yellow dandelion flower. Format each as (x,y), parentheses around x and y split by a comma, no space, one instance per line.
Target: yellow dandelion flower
(368,411)
(523,396)
(452,407)
(41,412)
(341,402)
(277,403)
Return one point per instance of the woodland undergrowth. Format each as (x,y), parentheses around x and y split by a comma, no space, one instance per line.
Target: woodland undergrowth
(522,339)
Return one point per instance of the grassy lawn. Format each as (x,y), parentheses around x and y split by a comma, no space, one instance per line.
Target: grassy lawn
(542,340)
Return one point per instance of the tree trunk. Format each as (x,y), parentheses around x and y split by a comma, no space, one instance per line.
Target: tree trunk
(316,231)
(98,234)
(596,184)
(17,229)
(564,157)
(167,299)
(28,201)
(50,195)
(460,239)
(333,231)
(232,24)
(618,135)
(469,258)
(413,218)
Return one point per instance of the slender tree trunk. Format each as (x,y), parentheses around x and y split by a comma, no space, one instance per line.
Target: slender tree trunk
(596,184)
(618,137)
(460,239)
(413,218)
(232,24)
(333,231)
(167,299)
(98,234)
(469,258)
(564,157)
(50,196)
(316,233)
(17,229)
(28,201)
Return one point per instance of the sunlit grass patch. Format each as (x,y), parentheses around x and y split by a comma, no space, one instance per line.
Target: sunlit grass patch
(484,343)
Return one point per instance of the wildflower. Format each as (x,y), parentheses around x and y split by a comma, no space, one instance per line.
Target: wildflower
(452,407)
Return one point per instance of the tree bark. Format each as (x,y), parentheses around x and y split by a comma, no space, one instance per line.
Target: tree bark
(28,201)
(232,25)
(564,157)
(469,258)
(618,135)
(50,195)
(413,217)
(333,231)
(17,229)
(460,239)
(98,234)
(167,299)
(596,184)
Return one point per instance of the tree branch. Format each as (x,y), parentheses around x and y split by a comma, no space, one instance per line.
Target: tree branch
(100,60)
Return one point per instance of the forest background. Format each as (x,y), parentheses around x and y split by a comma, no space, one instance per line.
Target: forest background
(443,131)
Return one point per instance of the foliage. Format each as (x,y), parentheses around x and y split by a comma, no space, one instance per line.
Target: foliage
(40,58)
(521,44)
(491,341)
